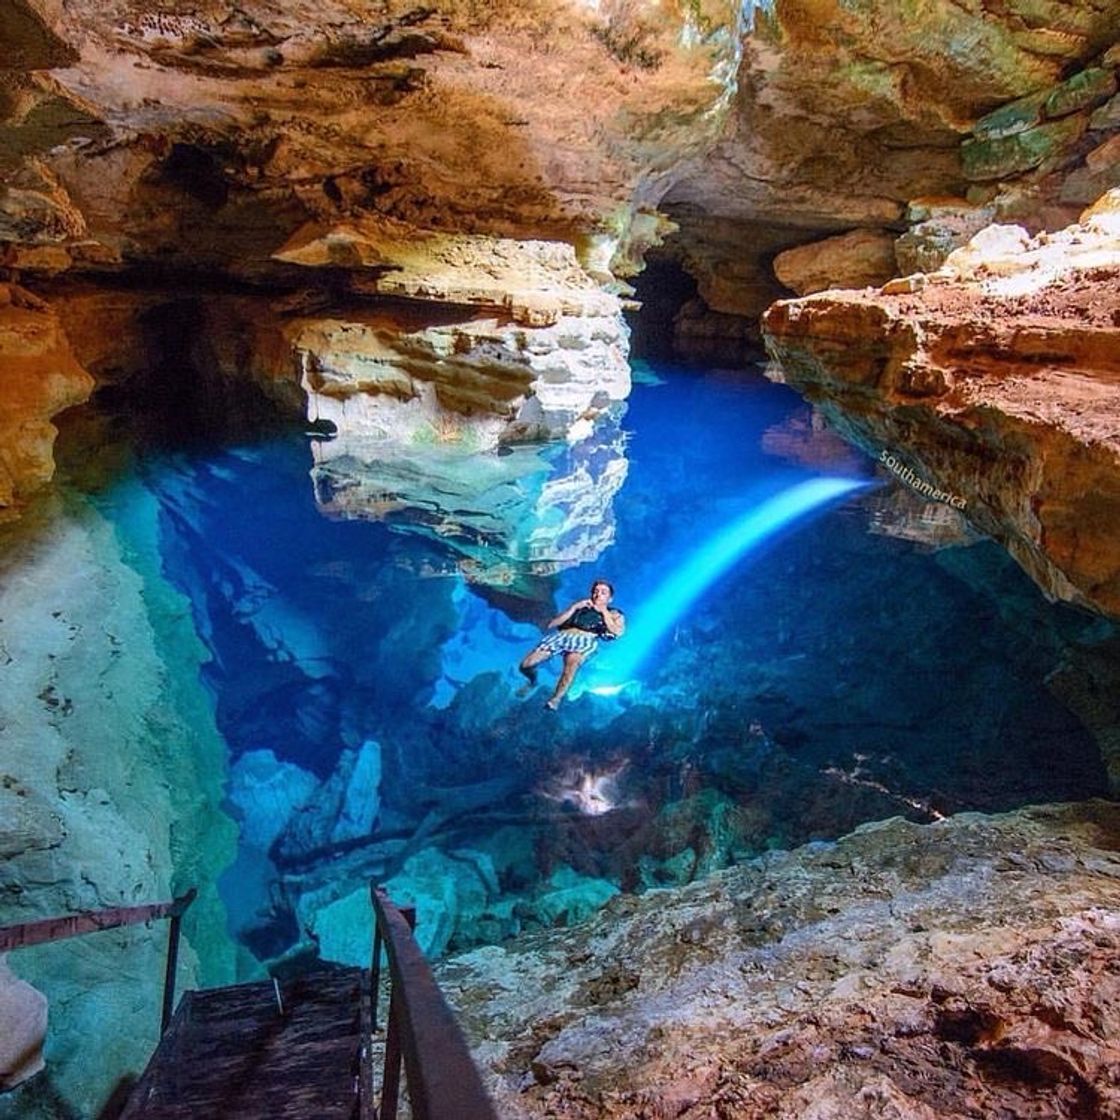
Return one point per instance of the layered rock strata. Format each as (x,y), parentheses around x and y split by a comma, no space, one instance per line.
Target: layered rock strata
(846,116)
(994,381)
(958,968)
(543,352)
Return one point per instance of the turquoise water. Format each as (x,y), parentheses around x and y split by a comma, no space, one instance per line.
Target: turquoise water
(782,680)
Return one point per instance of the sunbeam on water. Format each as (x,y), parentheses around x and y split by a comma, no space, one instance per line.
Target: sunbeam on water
(618,665)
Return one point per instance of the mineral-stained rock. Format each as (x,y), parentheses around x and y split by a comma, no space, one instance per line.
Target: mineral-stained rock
(30,42)
(234,129)
(35,209)
(964,967)
(861,259)
(998,383)
(38,378)
(1083,90)
(1007,156)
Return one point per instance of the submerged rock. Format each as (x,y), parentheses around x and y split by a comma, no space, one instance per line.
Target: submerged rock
(111,773)
(935,971)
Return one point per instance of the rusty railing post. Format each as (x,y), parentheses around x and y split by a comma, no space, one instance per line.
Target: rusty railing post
(173,930)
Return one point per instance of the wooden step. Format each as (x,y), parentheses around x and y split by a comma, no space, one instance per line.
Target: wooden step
(230,1052)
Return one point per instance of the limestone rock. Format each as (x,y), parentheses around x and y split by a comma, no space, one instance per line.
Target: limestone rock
(447,890)
(900,90)
(904,970)
(35,209)
(1107,116)
(861,259)
(569,897)
(536,282)
(556,354)
(234,126)
(509,518)
(1000,388)
(1085,89)
(106,736)
(342,808)
(938,226)
(40,378)
(1005,157)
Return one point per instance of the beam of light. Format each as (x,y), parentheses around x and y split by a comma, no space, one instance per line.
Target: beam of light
(650,621)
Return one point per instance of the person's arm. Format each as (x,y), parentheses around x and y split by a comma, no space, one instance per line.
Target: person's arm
(560,619)
(615,622)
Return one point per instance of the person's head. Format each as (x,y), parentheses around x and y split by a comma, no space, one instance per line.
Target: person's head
(601,591)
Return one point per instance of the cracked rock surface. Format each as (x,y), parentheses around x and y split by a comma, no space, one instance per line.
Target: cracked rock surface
(969,967)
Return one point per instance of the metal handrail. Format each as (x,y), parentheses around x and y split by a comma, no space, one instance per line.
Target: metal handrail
(443,1081)
(45,930)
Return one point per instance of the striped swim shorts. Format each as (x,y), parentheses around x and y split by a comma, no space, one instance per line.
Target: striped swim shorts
(570,641)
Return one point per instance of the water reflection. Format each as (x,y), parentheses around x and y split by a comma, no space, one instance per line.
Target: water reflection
(506,518)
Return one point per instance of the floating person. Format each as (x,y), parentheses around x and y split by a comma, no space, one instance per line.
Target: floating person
(577,632)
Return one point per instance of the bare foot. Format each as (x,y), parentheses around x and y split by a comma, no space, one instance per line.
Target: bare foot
(552,704)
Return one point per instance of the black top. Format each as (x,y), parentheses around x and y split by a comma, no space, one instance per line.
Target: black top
(589,619)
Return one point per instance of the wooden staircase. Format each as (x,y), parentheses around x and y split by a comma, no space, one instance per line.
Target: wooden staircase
(302,1048)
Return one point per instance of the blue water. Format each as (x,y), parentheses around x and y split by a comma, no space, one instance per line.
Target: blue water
(783,680)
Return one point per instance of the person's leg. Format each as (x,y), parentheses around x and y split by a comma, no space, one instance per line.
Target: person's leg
(572,661)
(530,662)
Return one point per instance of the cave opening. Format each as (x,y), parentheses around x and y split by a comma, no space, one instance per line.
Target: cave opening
(198,173)
(675,324)
(662,289)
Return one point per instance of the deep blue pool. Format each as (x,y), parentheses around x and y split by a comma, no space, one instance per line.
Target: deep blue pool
(843,668)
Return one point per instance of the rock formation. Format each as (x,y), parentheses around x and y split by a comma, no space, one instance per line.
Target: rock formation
(110,786)
(963,967)
(317,153)
(416,229)
(995,381)
(38,378)
(347,161)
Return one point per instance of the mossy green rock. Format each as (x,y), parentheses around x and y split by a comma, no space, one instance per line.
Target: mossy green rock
(1014,117)
(1005,156)
(1082,91)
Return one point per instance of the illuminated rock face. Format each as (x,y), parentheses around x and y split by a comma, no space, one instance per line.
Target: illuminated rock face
(996,381)
(230,130)
(501,342)
(38,378)
(324,152)
(523,348)
(344,156)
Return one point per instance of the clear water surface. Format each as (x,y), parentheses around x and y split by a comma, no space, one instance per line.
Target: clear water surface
(846,668)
